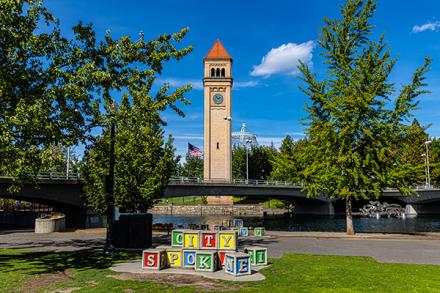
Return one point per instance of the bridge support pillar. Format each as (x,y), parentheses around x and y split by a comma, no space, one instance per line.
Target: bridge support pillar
(315,208)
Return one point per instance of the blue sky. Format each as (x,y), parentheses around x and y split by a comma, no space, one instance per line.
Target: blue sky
(265,94)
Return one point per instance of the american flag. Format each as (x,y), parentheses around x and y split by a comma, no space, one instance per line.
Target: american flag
(194,151)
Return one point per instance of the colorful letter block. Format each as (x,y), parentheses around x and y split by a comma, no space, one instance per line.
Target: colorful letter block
(258,255)
(238,223)
(227,240)
(189,258)
(204,227)
(259,231)
(191,239)
(244,231)
(154,259)
(221,256)
(237,264)
(174,256)
(208,240)
(177,238)
(206,261)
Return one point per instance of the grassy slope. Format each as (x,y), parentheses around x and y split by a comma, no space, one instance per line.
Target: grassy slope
(292,273)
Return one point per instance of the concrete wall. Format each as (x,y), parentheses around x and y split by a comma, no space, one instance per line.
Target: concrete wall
(201,210)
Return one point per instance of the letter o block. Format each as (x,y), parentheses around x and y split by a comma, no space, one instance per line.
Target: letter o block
(191,239)
(244,232)
(206,261)
(259,231)
(154,259)
(208,240)
(237,264)
(174,257)
(189,258)
(258,255)
(227,240)
(177,238)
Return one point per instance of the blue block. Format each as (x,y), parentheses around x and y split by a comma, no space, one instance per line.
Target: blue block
(189,258)
(244,232)
(238,223)
(237,264)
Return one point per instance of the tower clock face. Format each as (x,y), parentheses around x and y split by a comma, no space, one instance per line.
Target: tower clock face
(218,99)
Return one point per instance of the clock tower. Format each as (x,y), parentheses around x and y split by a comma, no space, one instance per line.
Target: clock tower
(217,83)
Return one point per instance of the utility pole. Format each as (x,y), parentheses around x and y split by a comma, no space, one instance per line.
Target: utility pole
(68,162)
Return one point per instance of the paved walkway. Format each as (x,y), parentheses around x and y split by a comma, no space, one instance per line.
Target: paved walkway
(413,249)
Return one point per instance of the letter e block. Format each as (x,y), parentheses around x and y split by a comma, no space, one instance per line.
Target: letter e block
(237,264)
(191,239)
(206,261)
(154,259)
(227,240)
(259,231)
(174,257)
(189,258)
(177,238)
(208,240)
(258,255)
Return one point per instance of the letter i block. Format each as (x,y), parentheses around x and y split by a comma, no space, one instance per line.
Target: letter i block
(191,239)
(227,240)
(258,255)
(206,261)
(208,240)
(174,257)
(189,258)
(259,231)
(177,238)
(155,259)
(237,264)
(244,231)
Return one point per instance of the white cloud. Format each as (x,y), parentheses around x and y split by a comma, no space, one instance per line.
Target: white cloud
(284,59)
(429,26)
(245,84)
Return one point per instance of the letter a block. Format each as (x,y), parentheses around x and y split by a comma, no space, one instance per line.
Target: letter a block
(154,259)
(206,261)
(174,258)
(258,255)
(244,232)
(227,240)
(259,231)
(208,240)
(237,264)
(189,258)
(191,239)
(177,238)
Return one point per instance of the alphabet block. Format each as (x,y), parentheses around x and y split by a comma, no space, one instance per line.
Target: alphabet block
(221,256)
(174,257)
(191,239)
(177,238)
(237,264)
(204,227)
(214,227)
(244,231)
(259,231)
(226,222)
(206,261)
(189,258)
(154,259)
(238,223)
(227,240)
(258,255)
(208,240)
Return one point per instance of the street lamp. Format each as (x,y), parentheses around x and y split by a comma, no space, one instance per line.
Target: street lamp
(428,175)
(247,159)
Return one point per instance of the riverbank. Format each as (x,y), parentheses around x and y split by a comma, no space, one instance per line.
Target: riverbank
(235,210)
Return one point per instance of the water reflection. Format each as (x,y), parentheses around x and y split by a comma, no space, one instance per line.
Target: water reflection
(318,223)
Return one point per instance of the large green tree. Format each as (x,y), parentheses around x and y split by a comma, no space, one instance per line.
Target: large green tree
(259,162)
(289,163)
(144,161)
(192,167)
(354,121)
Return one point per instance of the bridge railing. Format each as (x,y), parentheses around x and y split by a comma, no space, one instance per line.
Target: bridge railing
(192,180)
(74,176)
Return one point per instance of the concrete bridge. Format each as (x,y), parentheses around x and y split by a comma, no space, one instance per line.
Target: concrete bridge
(64,193)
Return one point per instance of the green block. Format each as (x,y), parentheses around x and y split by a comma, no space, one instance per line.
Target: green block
(177,238)
(259,231)
(206,261)
(258,255)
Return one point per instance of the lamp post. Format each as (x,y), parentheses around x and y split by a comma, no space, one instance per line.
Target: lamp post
(247,160)
(428,175)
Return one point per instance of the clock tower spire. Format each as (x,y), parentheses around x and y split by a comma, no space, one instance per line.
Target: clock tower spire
(217,83)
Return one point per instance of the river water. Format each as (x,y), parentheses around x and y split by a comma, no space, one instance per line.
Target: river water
(318,223)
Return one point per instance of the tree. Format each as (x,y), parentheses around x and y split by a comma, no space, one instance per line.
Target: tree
(55,157)
(39,103)
(353,121)
(289,163)
(193,167)
(259,161)
(144,162)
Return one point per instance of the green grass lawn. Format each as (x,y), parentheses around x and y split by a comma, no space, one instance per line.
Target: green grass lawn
(25,271)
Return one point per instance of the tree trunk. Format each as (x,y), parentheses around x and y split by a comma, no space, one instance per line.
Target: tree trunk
(349,216)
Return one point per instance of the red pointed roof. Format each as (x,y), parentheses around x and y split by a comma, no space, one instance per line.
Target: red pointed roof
(218,52)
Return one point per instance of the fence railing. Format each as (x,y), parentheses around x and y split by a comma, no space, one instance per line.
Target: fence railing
(74,176)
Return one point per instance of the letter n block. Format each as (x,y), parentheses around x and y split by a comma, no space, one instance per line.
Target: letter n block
(191,239)
(227,240)
(177,238)
(237,264)
(208,240)
(174,257)
(189,258)
(259,231)
(258,255)
(244,231)
(154,259)
(206,261)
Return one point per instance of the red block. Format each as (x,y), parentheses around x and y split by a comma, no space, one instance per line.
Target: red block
(153,259)
(208,240)
(221,255)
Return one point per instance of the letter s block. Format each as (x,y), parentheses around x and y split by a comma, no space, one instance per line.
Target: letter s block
(227,240)
(191,239)
(208,240)
(154,259)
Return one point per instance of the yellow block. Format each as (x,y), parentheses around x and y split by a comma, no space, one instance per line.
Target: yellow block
(227,240)
(191,240)
(174,258)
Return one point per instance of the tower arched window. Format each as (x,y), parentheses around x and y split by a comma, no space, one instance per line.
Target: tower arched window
(217,72)
(212,72)
(223,72)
